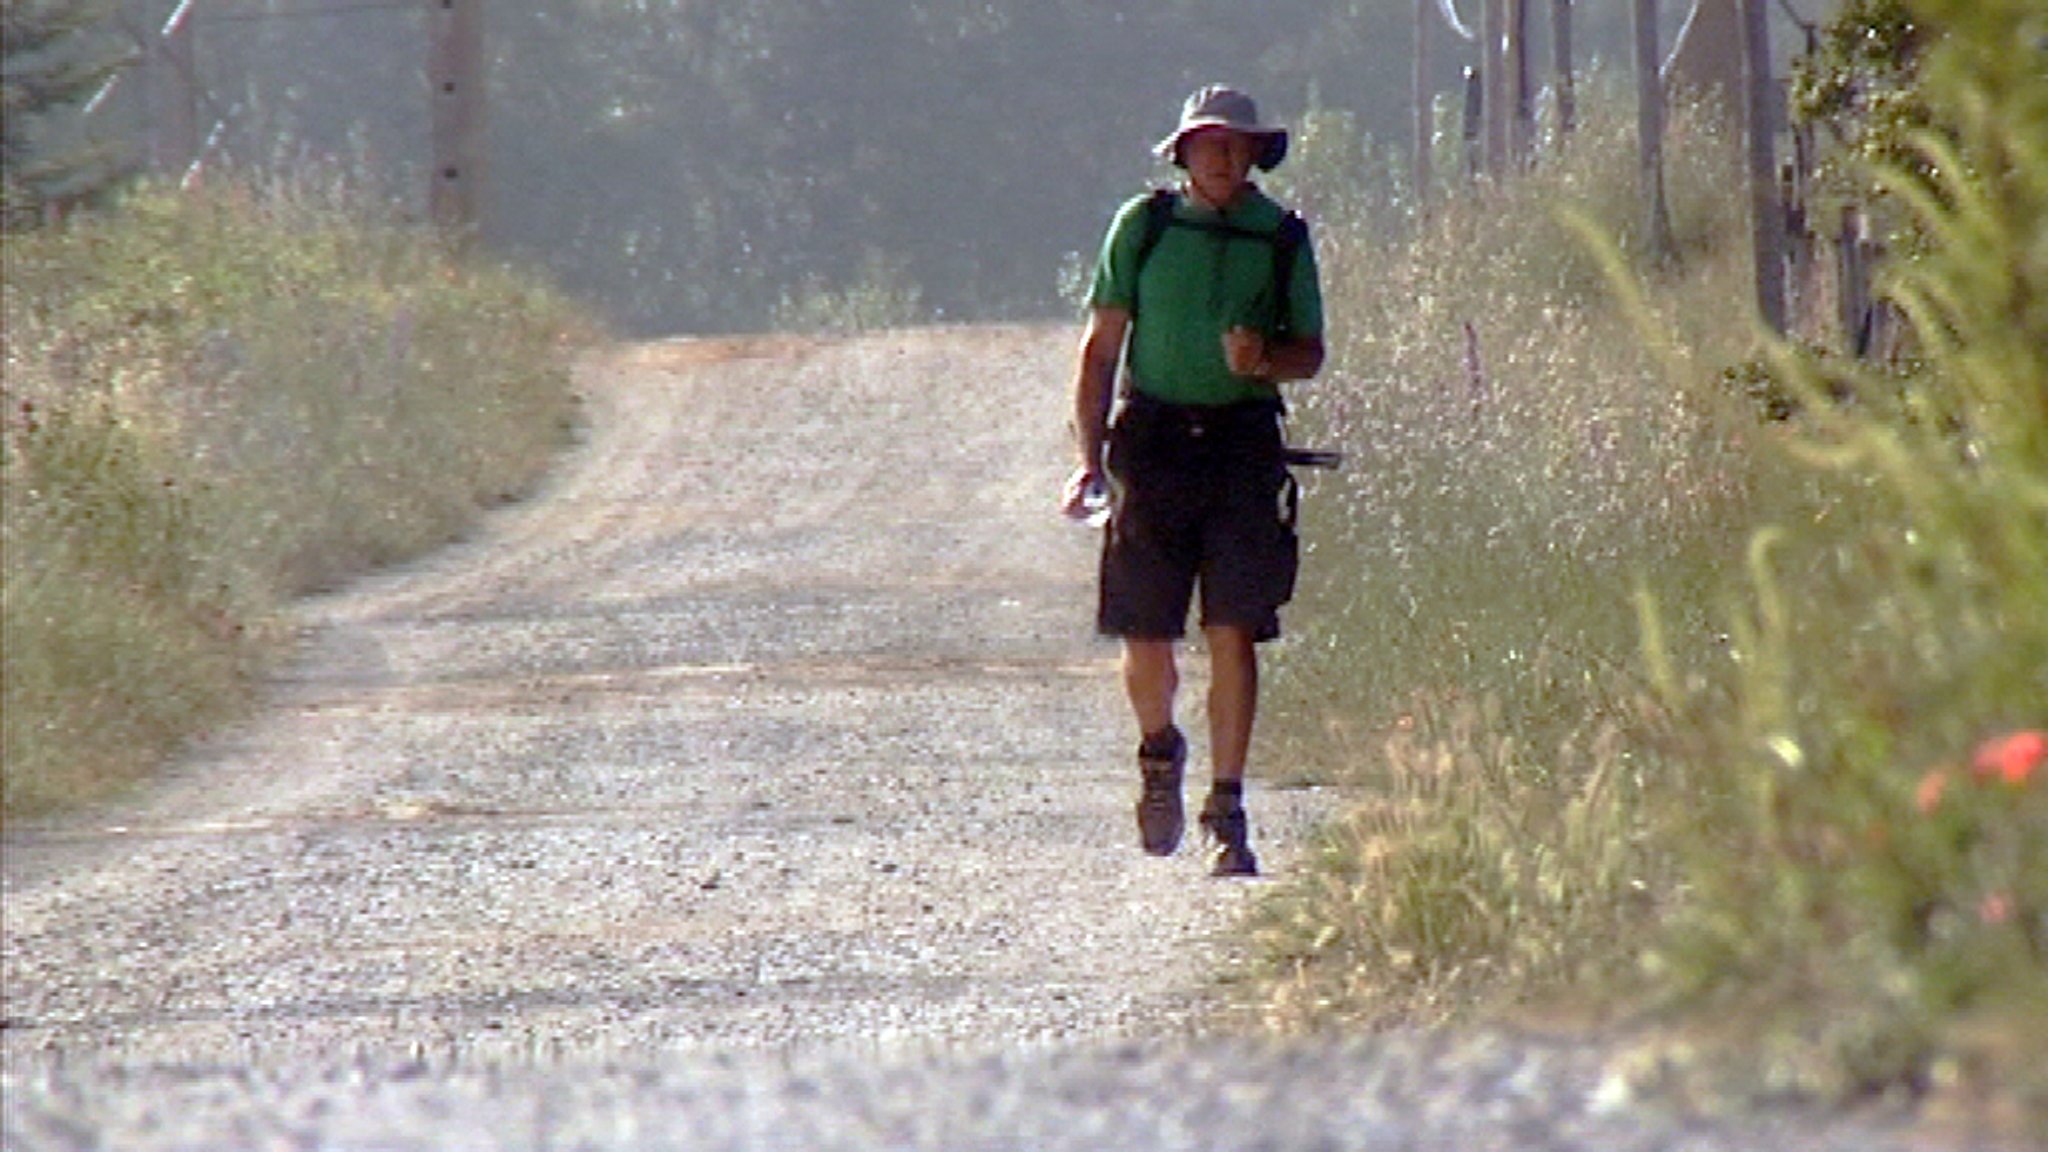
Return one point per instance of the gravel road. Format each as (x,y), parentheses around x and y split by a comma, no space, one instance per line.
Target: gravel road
(758,786)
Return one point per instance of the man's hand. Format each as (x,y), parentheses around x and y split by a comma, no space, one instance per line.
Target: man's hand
(1244,352)
(1082,488)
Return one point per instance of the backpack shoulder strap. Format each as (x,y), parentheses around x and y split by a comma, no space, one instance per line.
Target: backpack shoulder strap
(1287,243)
(1158,217)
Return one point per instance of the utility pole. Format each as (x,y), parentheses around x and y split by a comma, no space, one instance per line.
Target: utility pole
(455,61)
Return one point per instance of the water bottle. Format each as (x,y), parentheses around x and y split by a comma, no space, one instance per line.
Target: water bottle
(1093,511)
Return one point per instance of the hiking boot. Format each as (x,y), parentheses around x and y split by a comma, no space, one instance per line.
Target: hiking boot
(1224,820)
(1160,819)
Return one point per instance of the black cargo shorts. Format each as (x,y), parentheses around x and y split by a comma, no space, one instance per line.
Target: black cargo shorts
(1200,496)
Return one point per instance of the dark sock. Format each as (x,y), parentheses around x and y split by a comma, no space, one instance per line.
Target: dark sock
(1229,792)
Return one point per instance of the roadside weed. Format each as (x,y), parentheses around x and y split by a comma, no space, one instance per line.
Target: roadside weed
(1868,837)
(214,402)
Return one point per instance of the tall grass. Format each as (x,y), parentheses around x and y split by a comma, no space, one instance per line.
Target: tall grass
(215,402)
(1522,466)
(1516,451)
(1645,695)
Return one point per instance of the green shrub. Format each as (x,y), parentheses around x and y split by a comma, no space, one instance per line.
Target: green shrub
(1866,832)
(882,295)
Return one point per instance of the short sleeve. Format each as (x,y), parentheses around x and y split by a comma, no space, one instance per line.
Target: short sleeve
(1305,294)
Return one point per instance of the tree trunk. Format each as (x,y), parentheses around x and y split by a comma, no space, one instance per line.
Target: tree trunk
(1561,64)
(1707,59)
(1521,89)
(1767,218)
(1494,71)
(1650,134)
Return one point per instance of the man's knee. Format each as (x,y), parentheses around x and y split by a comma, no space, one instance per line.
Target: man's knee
(1231,641)
(1152,659)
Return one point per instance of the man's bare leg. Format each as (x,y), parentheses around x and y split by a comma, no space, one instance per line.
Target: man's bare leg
(1150,680)
(1233,699)
(1233,705)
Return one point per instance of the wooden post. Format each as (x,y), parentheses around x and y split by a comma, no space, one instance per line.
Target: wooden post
(1425,126)
(455,69)
(1767,220)
(1561,64)
(174,96)
(1656,216)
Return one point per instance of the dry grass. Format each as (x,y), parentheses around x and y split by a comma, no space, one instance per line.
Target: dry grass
(1524,467)
(214,403)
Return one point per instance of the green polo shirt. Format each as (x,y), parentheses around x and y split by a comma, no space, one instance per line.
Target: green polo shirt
(1197,284)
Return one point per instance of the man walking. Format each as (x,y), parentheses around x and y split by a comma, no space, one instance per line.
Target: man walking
(1208,295)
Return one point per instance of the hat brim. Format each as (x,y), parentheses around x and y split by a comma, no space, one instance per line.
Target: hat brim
(1272,142)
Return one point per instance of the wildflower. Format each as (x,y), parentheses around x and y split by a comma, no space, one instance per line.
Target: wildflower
(1927,797)
(2012,757)
(1996,908)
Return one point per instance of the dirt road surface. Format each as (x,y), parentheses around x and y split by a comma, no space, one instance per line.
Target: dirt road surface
(758,785)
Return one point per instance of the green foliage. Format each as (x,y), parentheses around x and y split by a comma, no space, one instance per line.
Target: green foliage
(54,54)
(1811,791)
(216,402)
(1860,87)
(883,296)
(1859,796)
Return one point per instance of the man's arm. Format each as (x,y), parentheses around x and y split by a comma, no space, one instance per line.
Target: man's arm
(1248,354)
(1102,346)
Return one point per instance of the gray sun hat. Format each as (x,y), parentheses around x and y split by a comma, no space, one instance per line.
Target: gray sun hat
(1220,106)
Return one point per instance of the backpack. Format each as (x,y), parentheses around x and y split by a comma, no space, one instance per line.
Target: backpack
(1286,241)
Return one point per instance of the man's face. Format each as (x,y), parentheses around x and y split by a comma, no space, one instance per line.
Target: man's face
(1218,160)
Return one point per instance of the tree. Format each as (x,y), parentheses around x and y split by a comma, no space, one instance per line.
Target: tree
(1767,218)
(54,54)
(1861,87)
(1650,133)
(1561,65)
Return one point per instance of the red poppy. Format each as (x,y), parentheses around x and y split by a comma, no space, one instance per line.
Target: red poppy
(1927,797)
(2012,757)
